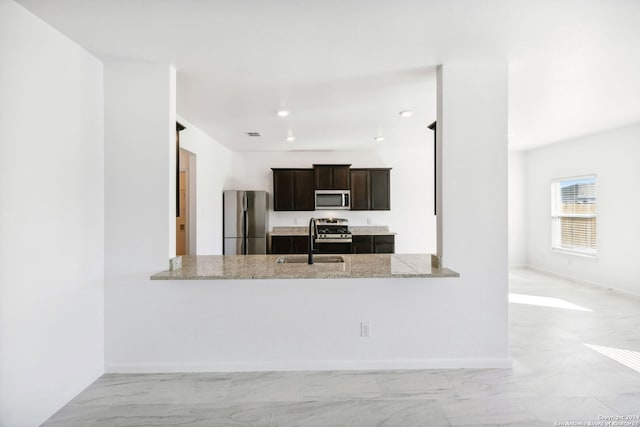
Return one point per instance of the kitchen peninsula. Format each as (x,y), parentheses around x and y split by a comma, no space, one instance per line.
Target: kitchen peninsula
(359,266)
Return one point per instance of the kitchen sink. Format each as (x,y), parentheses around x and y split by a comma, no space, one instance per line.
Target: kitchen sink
(303,259)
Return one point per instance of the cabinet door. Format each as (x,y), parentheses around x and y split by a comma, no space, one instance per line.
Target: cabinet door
(334,248)
(283,193)
(380,189)
(331,177)
(322,177)
(280,244)
(303,197)
(361,245)
(300,244)
(293,190)
(340,177)
(360,189)
(384,244)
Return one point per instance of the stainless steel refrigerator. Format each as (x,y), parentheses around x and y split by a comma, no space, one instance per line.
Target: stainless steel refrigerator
(245,222)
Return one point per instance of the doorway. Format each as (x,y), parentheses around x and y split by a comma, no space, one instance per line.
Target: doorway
(185,221)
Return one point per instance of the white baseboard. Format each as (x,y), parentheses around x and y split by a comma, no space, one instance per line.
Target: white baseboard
(518,266)
(577,279)
(318,365)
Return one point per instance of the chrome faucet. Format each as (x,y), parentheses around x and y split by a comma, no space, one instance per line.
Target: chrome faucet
(313,232)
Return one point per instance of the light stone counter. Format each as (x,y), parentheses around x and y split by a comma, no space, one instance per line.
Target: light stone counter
(289,231)
(226,267)
(371,230)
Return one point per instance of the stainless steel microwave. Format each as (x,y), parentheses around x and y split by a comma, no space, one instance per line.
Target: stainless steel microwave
(333,199)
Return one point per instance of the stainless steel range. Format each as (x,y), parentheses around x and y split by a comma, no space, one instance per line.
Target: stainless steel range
(333,230)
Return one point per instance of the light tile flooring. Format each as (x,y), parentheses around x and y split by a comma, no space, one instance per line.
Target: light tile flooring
(556,378)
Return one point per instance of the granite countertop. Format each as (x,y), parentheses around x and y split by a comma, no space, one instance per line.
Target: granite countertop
(230,267)
(358,230)
(289,231)
(375,230)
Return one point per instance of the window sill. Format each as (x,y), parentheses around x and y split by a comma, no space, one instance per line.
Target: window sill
(575,253)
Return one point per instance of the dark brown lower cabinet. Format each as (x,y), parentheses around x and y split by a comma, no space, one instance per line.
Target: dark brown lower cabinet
(384,244)
(362,244)
(367,244)
(333,248)
(289,244)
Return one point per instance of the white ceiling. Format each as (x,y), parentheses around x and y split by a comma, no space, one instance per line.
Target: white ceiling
(346,68)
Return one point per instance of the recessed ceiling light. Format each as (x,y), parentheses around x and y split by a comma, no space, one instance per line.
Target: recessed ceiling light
(406,113)
(291,138)
(379,138)
(283,113)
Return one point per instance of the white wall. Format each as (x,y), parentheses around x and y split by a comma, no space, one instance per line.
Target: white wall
(255,325)
(213,164)
(613,157)
(51,218)
(140,138)
(472,125)
(209,324)
(411,214)
(314,324)
(517,209)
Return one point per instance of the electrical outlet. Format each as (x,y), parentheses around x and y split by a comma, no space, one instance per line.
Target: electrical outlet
(368,220)
(365,329)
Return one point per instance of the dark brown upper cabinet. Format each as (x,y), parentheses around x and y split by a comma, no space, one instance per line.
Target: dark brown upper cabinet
(293,190)
(380,189)
(331,177)
(360,190)
(370,189)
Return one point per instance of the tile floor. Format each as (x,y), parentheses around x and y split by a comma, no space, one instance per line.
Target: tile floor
(556,378)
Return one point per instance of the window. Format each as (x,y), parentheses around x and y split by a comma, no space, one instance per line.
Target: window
(573,215)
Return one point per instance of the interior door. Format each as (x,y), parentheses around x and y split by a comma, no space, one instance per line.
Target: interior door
(181,219)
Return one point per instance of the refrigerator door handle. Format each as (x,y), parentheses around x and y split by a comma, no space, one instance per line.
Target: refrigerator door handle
(243,204)
(245,243)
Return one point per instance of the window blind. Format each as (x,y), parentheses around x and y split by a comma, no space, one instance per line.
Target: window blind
(574,214)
